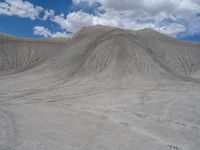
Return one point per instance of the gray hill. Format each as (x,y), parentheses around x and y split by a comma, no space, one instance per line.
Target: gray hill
(17,54)
(106,52)
(103,89)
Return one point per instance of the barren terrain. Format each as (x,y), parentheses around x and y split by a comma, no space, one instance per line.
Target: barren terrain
(103,89)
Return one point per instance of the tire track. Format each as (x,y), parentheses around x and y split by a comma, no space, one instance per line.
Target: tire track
(11,130)
(136,129)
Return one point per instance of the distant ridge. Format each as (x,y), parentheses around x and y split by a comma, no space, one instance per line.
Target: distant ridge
(11,37)
(107,53)
(19,54)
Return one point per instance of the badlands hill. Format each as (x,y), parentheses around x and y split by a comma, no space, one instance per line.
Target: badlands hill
(17,54)
(103,89)
(106,52)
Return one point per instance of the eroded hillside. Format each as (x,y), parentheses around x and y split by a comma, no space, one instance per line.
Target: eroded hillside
(22,54)
(106,52)
(105,88)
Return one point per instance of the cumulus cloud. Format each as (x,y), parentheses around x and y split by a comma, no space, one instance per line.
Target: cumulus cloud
(167,16)
(94,8)
(24,9)
(134,14)
(48,14)
(146,5)
(20,8)
(172,29)
(40,30)
(74,21)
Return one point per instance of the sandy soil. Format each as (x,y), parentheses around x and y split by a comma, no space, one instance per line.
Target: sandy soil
(106,90)
(79,117)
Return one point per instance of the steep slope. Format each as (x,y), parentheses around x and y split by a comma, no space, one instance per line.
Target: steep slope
(20,54)
(181,57)
(105,53)
(106,88)
(116,54)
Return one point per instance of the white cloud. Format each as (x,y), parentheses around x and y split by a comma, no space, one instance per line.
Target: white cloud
(60,34)
(129,14)
(147,5)
(40,30)
(152,12)
(74,21)
(48,14)
(20,8)
(24,9)
(172,29)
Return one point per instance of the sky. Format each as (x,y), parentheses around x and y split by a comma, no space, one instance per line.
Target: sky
(63,18)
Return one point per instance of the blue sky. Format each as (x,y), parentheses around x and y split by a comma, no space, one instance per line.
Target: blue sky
(63,18)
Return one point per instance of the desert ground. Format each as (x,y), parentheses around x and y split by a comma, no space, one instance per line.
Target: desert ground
(103,89)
